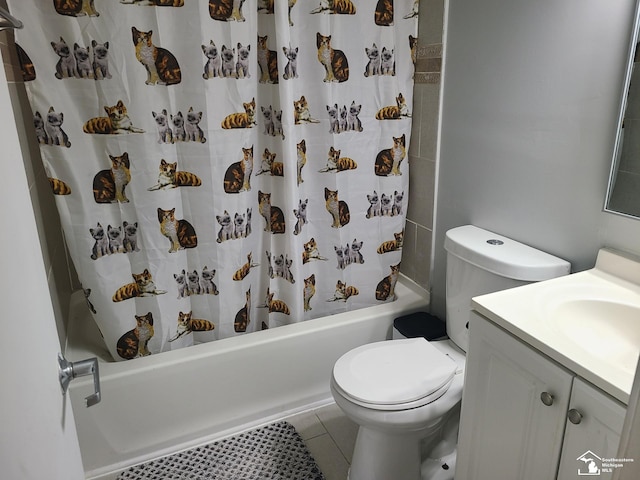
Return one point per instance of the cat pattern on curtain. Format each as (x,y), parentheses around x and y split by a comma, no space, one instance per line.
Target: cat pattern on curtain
(164,125)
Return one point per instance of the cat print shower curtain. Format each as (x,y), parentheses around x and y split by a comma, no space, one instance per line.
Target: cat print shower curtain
(223,166)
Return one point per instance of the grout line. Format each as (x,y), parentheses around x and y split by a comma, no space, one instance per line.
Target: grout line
(419,225)
(319,434)
(334,442)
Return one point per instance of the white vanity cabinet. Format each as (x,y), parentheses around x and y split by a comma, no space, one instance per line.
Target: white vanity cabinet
(506,431)
(594,424)
(514,413)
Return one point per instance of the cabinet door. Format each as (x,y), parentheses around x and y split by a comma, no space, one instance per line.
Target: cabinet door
(596,436)
(506,431)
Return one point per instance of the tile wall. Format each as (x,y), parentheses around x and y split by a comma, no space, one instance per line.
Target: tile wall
(416,255)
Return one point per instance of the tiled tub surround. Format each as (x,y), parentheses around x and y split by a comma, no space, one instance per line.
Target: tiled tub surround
(416,255)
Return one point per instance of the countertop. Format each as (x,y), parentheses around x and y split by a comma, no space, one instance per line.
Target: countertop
(527,312)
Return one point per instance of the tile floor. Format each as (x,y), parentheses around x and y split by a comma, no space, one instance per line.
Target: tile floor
(330,437)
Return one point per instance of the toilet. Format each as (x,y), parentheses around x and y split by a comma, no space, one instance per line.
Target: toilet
(405,394)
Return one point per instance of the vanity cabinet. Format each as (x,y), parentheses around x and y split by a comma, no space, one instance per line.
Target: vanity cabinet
(514,422)
(598,423)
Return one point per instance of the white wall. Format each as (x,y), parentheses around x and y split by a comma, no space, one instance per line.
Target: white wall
(530,101)
(60,276)
(38,437)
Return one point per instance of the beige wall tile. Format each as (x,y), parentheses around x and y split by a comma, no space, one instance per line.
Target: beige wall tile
(416,120)
(408,265)
(421,191)
(430,21)
(430,109)
(416,252)
(10,56)
(423,256)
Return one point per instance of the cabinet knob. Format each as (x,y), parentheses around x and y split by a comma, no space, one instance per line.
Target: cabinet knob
(546,398)
(575,416)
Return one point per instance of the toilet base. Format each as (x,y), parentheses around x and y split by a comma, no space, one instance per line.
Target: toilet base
(442,468)
(383,456)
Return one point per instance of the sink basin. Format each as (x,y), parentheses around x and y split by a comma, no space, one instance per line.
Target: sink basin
(608,330)
(589,321)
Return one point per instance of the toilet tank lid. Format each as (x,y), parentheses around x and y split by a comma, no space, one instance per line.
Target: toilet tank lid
(503,256)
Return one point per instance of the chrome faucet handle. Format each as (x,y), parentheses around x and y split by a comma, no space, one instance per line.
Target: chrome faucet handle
(70,370)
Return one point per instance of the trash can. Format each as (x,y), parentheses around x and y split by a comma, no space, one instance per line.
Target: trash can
(419,324)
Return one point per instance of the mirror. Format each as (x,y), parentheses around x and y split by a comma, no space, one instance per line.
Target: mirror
(623,193)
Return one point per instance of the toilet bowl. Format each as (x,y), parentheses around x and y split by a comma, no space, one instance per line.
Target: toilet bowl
(402,393)
(405,404)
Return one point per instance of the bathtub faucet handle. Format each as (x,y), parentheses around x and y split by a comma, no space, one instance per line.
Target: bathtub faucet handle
(67,371)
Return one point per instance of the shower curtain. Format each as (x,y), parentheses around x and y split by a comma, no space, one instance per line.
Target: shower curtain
(223,167)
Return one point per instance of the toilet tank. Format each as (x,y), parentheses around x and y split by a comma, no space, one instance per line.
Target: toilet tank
(480,262)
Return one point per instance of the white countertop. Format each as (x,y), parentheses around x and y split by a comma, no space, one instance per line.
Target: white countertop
(531,313)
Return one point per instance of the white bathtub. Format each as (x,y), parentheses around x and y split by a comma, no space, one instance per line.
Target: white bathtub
(164,403)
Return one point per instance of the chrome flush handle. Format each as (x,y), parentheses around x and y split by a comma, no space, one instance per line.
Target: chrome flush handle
(67,371)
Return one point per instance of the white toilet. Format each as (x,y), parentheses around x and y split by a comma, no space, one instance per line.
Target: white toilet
(406,393)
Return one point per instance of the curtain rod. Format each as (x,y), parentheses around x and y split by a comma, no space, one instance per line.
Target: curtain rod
(8,21)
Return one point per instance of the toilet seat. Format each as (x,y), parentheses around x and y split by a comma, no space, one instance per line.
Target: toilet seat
(394,375)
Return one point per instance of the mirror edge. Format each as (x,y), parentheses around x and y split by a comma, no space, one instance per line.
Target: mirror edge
(615,156)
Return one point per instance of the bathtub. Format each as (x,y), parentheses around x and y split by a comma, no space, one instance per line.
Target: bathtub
(164,403)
